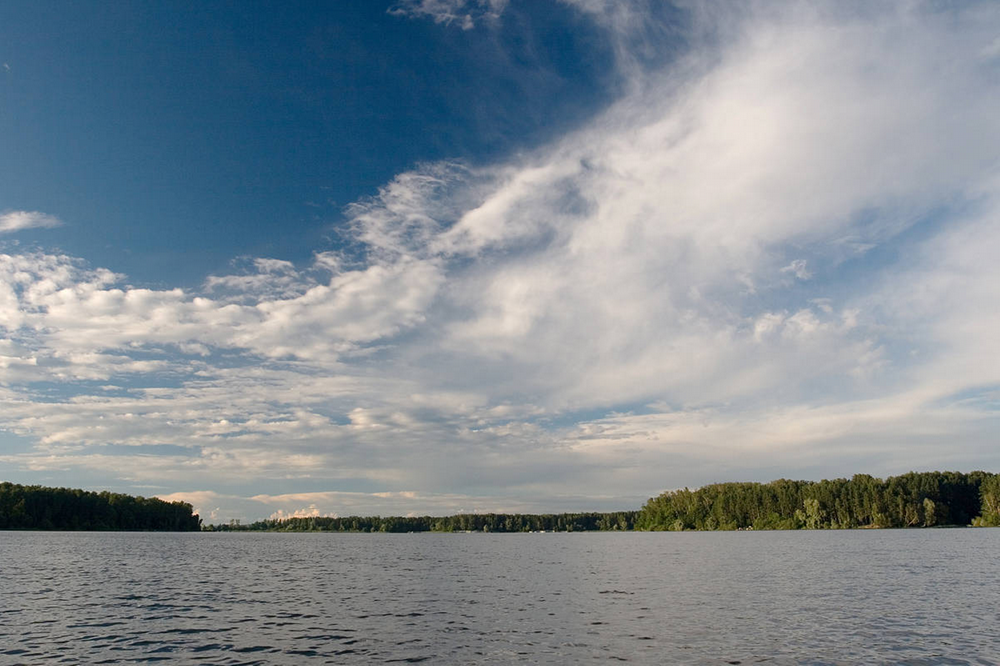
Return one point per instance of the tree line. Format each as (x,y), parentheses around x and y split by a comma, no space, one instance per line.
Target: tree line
(465,522)
(41,508)
(916,499)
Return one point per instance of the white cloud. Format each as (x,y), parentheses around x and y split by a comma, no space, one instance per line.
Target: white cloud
(306,512)
(262,278)
(992,50)
(18,220)
(798,268)
(65,308)
(218,508)
(389,503)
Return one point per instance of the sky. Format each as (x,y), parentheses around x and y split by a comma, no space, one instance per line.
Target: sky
(443,256)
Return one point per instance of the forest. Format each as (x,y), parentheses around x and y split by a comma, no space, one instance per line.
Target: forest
(915,499)
(40,508)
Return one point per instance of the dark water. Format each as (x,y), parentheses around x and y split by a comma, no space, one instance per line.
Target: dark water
(915,597)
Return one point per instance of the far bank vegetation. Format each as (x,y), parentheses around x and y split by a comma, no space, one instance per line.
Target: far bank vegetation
(924,499)
(916,499)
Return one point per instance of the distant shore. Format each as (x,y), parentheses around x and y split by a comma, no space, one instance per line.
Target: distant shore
(466,522)
(915,499)
(912,500)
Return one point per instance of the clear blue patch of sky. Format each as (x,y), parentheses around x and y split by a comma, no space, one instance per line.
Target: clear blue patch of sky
(298,485)
(149,449)
(72,477)
(335,416)
(124,385)
(172,137)
(840,273)
(11,443)
(982,398)
(894,252)
(572,419)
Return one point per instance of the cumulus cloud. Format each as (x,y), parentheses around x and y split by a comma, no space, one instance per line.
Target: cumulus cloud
(307,512)
(18,220)
(64,307)
(220,508)
(691,279)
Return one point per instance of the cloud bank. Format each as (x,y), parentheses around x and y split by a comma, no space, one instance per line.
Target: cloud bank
(772,256)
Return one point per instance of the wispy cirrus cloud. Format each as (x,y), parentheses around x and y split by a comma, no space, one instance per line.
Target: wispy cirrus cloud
(464,13)
(799,268)
(18,220)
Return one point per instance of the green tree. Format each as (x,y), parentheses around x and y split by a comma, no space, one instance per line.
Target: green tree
(930,512)
(989,515)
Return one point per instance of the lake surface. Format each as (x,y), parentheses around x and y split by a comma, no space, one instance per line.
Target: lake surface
(866,596)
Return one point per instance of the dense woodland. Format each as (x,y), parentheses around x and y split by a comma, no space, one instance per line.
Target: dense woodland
(466,522)
(40,508)
(923,499)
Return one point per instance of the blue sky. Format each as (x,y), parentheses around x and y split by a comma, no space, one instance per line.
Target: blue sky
(466,255)
(186,135)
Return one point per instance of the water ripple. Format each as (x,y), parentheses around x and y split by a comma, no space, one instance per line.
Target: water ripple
(904,597)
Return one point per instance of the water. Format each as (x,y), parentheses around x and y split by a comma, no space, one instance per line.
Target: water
(915,597)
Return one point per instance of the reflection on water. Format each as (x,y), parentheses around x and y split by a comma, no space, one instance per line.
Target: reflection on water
(917,597)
